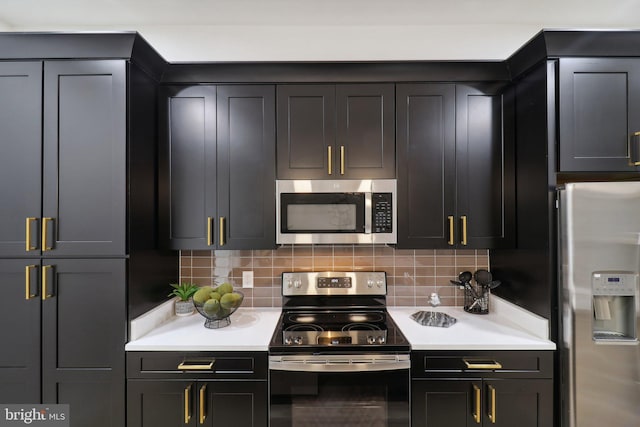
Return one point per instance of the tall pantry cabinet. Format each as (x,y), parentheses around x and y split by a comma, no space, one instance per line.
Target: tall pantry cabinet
(77,236)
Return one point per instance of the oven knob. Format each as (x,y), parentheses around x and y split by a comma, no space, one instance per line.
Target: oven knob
(381,340)
(289,283)
(288,341)
(370,283)
(371,340)
(380,283)
(297,340)
(297,283)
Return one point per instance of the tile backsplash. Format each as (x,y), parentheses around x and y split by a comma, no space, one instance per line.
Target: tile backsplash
(412,275)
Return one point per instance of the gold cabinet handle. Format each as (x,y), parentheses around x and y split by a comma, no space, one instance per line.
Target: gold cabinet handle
(634,149)
(221,231)
(28,223)
(45,274)
(202,415)
(27,282)
(450,242)
(342,160)
(187,404)
(492,405)
(482,364)
(45,230)
(209,227)
(477,410)
(329,160)
(464,230)
(196,366)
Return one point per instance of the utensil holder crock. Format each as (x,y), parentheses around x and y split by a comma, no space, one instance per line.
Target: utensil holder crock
(476,299)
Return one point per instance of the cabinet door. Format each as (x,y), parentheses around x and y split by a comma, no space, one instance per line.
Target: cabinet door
(234,403)
(522,403)
(246,167)
(20,157)
(426,164)
(306,131)
(161,403)
(20,335)
(365,143)
(446,403)
(188,159)
(85,155)
(599,109)
(485,216)
(84,326)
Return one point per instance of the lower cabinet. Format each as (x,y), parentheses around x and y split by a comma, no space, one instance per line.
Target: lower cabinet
(513,388)
(197,403)
(63,336)
(197,389)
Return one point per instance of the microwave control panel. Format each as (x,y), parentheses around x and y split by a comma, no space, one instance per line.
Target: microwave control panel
(381,210)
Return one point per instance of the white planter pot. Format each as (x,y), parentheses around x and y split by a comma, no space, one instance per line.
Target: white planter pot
(184,308)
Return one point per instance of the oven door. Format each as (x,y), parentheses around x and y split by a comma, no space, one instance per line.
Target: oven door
(348,391)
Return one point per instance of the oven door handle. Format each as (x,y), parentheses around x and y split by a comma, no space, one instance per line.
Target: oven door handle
(335,363)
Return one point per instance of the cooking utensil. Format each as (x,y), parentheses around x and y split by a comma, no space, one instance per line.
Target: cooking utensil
(483,277)
(465,276)
(494,284)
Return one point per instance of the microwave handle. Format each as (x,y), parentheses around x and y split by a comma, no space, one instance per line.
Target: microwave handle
(368,200)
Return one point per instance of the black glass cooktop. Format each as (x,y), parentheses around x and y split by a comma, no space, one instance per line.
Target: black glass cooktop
(337,330)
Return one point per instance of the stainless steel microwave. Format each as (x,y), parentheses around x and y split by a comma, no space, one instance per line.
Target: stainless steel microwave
(336,211)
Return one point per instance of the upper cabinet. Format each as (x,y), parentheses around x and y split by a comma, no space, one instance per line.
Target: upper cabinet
(218,154)
(65,158)
(599,111)
(335,131)
(455,156)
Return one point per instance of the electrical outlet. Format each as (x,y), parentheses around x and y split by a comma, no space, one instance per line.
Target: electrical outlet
(247,279)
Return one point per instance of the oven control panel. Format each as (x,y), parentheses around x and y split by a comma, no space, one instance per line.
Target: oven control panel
(334,283)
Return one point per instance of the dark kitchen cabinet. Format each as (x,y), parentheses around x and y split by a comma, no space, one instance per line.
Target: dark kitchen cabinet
(20,356)
(20,156)
(218,154)
(67,336)
(498,402)
(66,157)
(197,403)
(599,111)
(78,235)
(228,389)
(462,389)
(335,131)
(455,157)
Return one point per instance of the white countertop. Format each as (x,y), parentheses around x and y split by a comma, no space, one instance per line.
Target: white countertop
(493,331)
(250,330)
(506,327)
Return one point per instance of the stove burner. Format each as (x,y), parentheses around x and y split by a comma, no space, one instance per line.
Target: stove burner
(304,327)
(366,317)
(360,327)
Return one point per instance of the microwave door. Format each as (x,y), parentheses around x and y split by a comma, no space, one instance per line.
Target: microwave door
(318,214)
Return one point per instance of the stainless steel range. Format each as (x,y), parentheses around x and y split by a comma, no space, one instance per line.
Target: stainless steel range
(336,356)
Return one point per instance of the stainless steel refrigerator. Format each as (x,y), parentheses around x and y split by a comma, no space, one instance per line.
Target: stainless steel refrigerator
(599,251)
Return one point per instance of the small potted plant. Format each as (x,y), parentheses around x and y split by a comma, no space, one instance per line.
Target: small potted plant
(183,292)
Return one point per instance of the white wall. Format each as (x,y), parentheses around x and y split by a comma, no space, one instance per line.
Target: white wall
(327,43)
(323,30)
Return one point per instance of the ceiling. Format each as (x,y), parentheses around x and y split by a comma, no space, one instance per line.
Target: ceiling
(304,30)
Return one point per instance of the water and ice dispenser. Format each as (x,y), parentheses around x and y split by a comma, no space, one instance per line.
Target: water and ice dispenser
(614,306)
